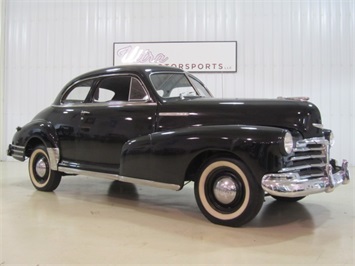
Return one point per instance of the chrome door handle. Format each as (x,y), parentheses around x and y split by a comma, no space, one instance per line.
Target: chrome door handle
(85,112)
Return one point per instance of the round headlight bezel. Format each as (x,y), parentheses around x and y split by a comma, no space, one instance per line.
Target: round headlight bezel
(329,135)
(288,143)
(331,139)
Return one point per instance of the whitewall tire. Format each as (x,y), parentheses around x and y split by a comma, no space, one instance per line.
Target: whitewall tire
(227,193)
(42,176)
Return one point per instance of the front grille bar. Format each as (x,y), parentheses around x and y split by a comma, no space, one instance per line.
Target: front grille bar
(309,154)
(306,157)
(301,167)
(305,149)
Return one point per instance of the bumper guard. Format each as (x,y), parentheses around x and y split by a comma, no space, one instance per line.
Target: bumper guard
(292,185)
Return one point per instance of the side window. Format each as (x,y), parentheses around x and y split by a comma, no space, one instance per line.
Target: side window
(78,93)
(103,95)
(170,85)
(137,92)
(113,89)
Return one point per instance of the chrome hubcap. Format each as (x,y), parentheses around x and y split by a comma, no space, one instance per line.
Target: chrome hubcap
(225,190)
(41,168)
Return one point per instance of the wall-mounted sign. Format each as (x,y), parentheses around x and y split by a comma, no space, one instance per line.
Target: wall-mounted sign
(189,56)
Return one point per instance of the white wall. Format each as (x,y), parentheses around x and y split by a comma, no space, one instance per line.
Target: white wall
(289,48)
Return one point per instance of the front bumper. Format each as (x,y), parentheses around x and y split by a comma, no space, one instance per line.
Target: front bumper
(293,185)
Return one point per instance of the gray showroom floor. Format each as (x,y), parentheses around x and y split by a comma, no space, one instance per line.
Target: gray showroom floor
(96,221)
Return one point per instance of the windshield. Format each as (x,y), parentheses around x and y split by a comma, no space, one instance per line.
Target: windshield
(178,86)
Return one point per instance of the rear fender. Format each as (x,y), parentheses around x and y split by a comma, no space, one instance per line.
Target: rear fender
(38,132)
(165,156)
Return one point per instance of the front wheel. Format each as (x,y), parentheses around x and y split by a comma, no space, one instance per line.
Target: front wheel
(227,193)
(42,176)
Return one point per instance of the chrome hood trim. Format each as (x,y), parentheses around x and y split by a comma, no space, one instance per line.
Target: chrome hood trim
(301,99)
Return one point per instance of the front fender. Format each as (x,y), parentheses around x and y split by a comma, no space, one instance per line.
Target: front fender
(165,156)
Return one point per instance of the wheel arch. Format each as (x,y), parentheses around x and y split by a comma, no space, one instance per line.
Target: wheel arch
(32,143)
(50,145)
(37,132)
(199,160)
(252,164)
(35,141)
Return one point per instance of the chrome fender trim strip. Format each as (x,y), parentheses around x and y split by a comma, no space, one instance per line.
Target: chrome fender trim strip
(176,114)
(119,178)
(53,154)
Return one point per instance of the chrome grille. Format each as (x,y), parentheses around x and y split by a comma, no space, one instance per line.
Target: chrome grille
(310,158)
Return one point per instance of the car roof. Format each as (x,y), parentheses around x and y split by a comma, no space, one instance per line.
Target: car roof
(135,68)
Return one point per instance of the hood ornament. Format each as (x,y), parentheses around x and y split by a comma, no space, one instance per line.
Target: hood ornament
(301,99)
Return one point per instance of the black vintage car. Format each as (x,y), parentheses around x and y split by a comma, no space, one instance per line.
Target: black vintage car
(160,126)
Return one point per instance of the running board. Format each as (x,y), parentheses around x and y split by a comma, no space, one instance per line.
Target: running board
(120,178)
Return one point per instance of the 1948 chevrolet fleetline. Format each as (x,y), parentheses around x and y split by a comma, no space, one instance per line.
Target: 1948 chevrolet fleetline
(160,126)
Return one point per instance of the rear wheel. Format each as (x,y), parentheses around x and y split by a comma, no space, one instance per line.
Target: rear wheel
(42,176)
(227,193)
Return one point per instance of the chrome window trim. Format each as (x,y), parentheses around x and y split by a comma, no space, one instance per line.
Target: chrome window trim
(144,89)
(71,86)
(125,179)
(102,76)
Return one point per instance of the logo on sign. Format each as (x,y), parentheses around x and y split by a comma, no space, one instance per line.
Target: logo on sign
(189,56)
(136,54)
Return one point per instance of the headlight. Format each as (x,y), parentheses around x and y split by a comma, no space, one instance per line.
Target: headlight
(328,134)
(288,143)
(331,139)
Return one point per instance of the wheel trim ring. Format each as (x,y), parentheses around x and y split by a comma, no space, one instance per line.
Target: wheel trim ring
(35,178)
(203,197)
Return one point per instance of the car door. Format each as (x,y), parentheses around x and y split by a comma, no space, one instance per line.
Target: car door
(68,117)
(120,109)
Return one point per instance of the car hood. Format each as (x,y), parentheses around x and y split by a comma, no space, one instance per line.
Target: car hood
(290,114)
